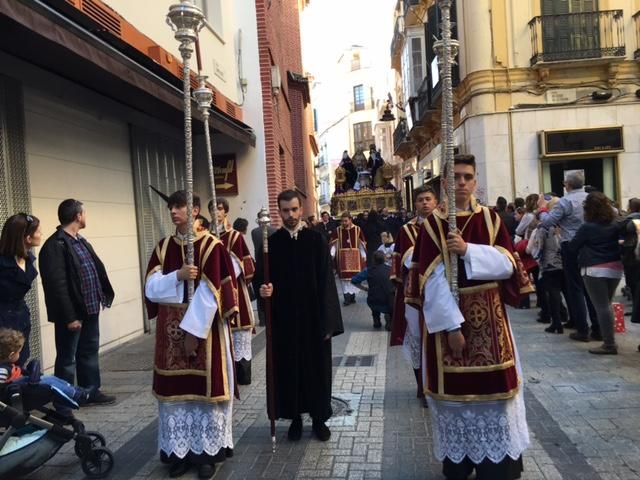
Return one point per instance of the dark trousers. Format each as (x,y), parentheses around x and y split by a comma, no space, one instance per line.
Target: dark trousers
(553,281)
(507,469)
(576,294)
(77,353)
(632,277)
(601,290)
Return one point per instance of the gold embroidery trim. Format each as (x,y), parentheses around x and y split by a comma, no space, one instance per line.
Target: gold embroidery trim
(488,368)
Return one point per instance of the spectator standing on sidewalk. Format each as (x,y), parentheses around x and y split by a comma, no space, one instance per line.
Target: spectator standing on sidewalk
(598,250)
(305,316)
(568,214)
(379,289)
(76,287)
(631,255)
(20,234)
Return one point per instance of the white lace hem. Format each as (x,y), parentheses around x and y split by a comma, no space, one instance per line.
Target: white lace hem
(199,427)
(242,345)
(479,430)
(411,347)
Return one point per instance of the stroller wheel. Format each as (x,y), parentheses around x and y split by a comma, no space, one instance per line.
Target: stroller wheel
(98,463)
(95,440)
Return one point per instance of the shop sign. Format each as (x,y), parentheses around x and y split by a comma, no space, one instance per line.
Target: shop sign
(555,143)
(225,172)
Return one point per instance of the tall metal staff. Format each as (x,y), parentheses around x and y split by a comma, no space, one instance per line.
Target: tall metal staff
(264,221)
(186,20)
(204,97)
(447,49)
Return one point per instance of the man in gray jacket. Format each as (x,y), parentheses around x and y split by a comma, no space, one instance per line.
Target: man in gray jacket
(568,215)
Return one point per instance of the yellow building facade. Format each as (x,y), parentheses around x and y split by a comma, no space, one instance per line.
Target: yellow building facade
(542,87)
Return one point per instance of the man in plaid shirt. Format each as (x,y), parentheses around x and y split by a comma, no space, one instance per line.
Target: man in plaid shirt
(76,287)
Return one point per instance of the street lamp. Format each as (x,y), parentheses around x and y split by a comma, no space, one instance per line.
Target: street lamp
(186,20)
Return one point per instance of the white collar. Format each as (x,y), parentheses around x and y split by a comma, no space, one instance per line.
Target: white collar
(295,231)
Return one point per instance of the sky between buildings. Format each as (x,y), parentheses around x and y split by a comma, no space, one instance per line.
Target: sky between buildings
(330,26)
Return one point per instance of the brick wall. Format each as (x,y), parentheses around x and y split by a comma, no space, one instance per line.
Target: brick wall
(284,114)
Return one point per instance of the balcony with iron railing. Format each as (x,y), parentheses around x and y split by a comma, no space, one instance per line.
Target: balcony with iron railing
(403,146)
(577,36)
(398,37)
(636,21)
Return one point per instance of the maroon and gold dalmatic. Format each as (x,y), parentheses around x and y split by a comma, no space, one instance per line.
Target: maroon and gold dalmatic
(237,248)
(404,244)
(347,241)
(487,369)
(204,377)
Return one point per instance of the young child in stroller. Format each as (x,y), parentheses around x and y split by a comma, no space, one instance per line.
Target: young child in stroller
(11,344)
(28,441)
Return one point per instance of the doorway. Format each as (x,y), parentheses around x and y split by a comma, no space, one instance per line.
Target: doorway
(600,173)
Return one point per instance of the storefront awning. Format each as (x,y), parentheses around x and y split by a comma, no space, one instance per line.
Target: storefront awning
(40,35)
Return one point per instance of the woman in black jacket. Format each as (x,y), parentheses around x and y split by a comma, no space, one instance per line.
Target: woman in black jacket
(20,234)
(597,244)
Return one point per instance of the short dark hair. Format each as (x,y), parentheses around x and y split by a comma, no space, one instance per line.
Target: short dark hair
(518,202)
(205,222)
(531,202)
(598,209)
(323,213)
(501,202)
(288,195)
(11,341)
(634,205)
(179,199)
(15,230)
(347,214)
(465,159)
(220,201)
(378,257)
(68,210)
(422,189)
(241,224)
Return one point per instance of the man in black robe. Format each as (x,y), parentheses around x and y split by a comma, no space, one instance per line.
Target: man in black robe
(305,315)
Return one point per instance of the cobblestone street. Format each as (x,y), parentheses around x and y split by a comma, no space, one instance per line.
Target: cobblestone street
(583,412)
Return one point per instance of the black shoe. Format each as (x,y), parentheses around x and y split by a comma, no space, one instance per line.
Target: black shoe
(569,324)
(206,470)
(553,329)
(321,430)
(377,323)
(579,337)
(347,300)
(635,320)
(602,350)
(597,336)
(295,430)
(352,298)
(228,451)
(425,404)
(179,468)
(99,398)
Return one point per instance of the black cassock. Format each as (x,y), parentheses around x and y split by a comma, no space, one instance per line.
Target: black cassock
(305,309)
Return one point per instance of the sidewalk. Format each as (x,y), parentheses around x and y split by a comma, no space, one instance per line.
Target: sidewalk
(583,412)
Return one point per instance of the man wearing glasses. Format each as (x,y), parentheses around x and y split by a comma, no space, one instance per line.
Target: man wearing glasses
(76,288)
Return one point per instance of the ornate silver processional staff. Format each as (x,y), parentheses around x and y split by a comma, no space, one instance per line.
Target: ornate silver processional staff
(186,20)
(204,97)
(447,49)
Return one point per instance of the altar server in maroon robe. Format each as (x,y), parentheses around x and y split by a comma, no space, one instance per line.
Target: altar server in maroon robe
(193,377)
(472,374)
(349,249)
(407,326)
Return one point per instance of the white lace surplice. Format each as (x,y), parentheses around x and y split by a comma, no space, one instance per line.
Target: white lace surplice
(199,427)
(478,430)
(242,345)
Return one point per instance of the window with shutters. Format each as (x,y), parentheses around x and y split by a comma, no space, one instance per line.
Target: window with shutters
(212,10)
(358,98)
(362,136)
(570,26)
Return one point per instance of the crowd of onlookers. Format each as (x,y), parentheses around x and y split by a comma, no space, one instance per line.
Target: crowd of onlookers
(577,247)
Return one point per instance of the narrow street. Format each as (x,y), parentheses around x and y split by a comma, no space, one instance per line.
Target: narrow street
(583,413)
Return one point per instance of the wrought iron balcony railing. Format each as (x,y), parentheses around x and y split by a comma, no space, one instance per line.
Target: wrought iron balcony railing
(398,36)
(577,36)
(401,141)
(636,21)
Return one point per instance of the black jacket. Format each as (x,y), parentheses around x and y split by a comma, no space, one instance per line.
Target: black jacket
(596,243)
(60,272)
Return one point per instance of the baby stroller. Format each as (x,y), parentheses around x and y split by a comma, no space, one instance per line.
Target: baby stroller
(28,441)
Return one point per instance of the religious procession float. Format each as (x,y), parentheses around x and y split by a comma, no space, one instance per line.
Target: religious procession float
(363,184)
